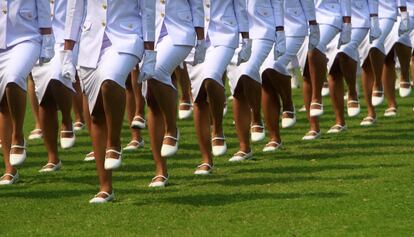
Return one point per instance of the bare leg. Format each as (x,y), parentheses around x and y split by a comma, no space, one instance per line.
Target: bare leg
(336,88)
(368,79)
(216,99)
(349,70)
(131,108)
(33,101)
(377,59)
(77,102)
(6,136)
(404,54)
(307,98)
(241,108)
(317,72)
(389,78)
(16,99)
(271,108)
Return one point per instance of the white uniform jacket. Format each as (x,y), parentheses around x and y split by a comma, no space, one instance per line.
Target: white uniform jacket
(58,8)
(126,23)
(297,15)
(180,17)
(389,8)
(20,21)
(264,17)
(225,19)
(330,12)
(361,10)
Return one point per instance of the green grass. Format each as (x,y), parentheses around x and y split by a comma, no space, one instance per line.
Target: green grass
(356,184)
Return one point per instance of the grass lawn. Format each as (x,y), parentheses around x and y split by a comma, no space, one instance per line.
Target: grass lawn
(360,183)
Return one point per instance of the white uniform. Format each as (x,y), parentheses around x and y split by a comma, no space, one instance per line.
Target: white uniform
(225,19)
(297,15)
(175,35)
(406,39)
(20,40)
(111,40)
(42,75)
(264,17)
(361,10)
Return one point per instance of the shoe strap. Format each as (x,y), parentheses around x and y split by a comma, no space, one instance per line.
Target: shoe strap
(392,109)
(275,143)
(36,131)
(289,112)
(103,192)
(257,126)
(7,175)
(135,141)
(377,91)
(171,137)
(241,152)
(338,127)
(405,82)
(90,153)
(314,103)
(18,146)
(186,104)
(218,138)
(139,118)
(160,176)
(67,131)
(369,118)
(205,164)
(353,101)
(78,123)
(313,132)
(114,151)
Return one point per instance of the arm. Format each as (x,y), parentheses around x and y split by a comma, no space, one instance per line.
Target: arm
(74,17)
(402,4)
(373,7)
(346,10)
(197,11)
(279,14)
(240,9)
(148,23)
(308,7)
(43,16)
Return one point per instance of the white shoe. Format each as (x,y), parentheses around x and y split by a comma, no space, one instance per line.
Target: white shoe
(241,156)
(294,82)
(159,184)
(337,128)
(78,126)
(219,150)
(353,111)
(325,89)
(302,109)
(404,92)
(168,150)
(272,146)
(230,98)
(35,134)
(134,145)
(89,157)
(288,122)
(67,142)
(113,163)
(257,136)
(138,123)
(204,172)
(225,110)
(14,179)
(50,167)
(99,200)
(316,112)
(185,114)
(312,135)
(391,112)
(18,159)
(368,121)
(377,100)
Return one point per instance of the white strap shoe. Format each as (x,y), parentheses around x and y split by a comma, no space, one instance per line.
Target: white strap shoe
(325,89)
(159,184)
(337,128)
(112,163)
(204,172)
(219,150)
(377,97)
(13,180)
(67,142)
(405,88)
(185,113)
(97,199)
(257,136)
(139,123)
(390,112)
(134,145)
(241,156)
(288,122)
(169,150)
(316,112)
(36,134)
(50,167)
(18,159)
(89,157)
(312,135)
(368,121)
(353,111)
(78,126)
(272,146)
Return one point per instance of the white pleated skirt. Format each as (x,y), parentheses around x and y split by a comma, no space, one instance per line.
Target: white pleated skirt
(113,66)
(260,50)
(385,42)
(404,39)
(169,57)
(293,45)
(214,66)
(42,75)
(16,63)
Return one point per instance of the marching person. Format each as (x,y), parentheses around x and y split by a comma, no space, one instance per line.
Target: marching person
(266,29)
(55,93)
(343,62)
(334,17)
(373,71)
(299,19)
(25,38)
(176,34)
(114,37)
(225,21)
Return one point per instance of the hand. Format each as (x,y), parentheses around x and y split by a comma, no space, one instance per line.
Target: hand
(404,24)
(280,44)
(345,35)
(68,69)
(314,36)
(374,29)
(245,52)
(200,52)
(48,48)
(147,69)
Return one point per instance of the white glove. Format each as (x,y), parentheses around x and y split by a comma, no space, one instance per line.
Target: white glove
(68,69)
(245,52)
(200,52)
(48,49)
(404,24)
(345,36)
(147,69)
(280,44)
(374,29)
(314,36)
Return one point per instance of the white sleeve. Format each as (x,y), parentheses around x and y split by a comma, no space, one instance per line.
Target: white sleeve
(240,9)
(278,12)
(197,11)
(346,9)
(309,9)
(373,6)
(44,14)
(74,16)
(148,20)
(402,3)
